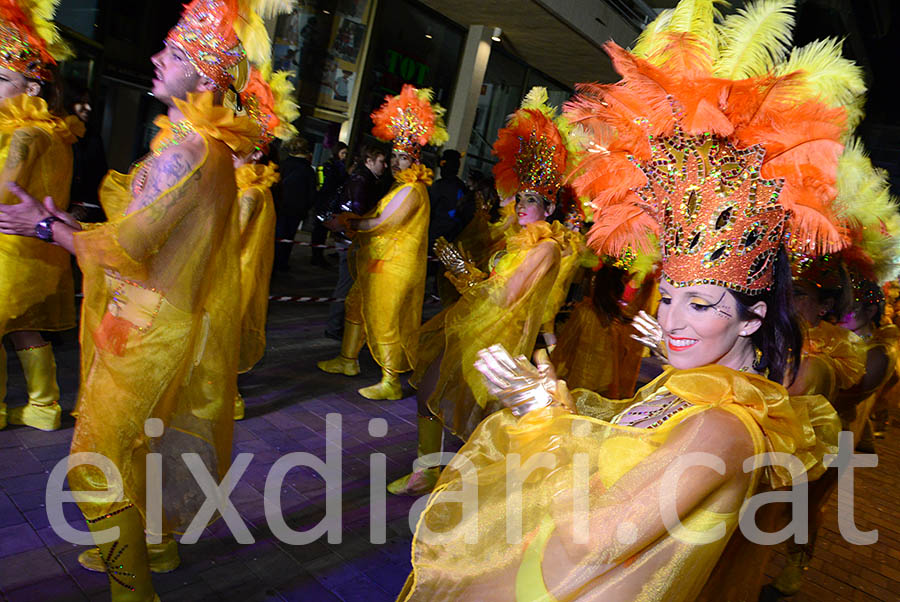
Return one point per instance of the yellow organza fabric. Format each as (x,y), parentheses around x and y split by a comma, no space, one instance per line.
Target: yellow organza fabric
(575,256)
(481,238)
(388,266)
(629,554)
(504,309)
(35,276)
(257,226)
(855,406)
(160,329)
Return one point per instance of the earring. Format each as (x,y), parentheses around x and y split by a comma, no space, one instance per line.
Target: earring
(758,358)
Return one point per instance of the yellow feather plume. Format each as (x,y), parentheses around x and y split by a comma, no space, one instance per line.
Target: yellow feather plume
(251,28)
(754,39)
(651,41)
(286,108)
(699,18)
(827,74)
(865,202)
(41,14)
(536,98)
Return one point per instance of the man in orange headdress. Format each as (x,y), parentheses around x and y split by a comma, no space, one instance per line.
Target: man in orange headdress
(390,249)
(161,318)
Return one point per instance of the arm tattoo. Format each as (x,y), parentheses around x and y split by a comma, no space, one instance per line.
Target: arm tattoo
(189,188)
(163,176)
(19,148)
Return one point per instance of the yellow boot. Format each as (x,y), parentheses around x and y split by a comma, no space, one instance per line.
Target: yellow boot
(42,411)
(790,580)
(238,407)
(2,386)
(125,558)
(389,387)
(425,475)
(163,557)
(346,363)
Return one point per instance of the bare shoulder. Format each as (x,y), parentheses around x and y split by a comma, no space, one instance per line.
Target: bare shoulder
(717,431)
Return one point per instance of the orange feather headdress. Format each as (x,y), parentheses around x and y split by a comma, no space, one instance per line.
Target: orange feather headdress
(268,100)
(410,121)
(534,149)
(29,41)
(709,143)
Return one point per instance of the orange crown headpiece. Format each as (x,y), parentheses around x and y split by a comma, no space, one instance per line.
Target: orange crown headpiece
(714,145)
(410,121)
(206,34)
(533,155)
(29,41)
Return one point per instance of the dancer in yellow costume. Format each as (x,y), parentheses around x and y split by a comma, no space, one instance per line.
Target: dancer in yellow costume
(267,99)
(161,315)
(389,252)
(36,291)
(509,305)
(676,156)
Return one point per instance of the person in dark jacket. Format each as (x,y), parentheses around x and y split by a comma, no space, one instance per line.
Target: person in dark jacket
(359,195)
(335,175)
(446,194)
(298,189)
(88,160)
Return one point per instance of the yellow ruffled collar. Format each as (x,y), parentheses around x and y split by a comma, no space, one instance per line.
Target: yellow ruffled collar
(26,111)
(212,121)
(887,335)
(254,175)
(845,349)
(806,427)
(536,232)
(415,173)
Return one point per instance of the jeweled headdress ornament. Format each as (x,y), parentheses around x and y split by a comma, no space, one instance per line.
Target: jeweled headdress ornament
(269,100)
(410,121)
(29,41)
(223,37)
(720,140)
(534,149)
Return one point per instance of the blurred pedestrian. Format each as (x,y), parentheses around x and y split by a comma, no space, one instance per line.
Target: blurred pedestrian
(446,194)
(298,189)
(335,175)
(89,159)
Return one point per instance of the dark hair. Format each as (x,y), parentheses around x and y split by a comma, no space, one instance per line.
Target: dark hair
(298,146)
(779,339)
(369,151)
(609,286)
(51,91)
(869,294)
(338,147)
(831,282)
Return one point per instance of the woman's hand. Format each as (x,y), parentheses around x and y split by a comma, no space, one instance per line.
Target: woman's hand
(651,335)
(515,381)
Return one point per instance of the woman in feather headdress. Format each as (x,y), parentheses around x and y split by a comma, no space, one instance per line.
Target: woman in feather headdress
(36,292)
(506,305)
(389,253)
(707,144)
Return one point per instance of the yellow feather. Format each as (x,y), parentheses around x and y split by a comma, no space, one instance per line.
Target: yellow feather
(650,40)
(285,106)
(754,39)
(40,13)
(272,8)
(864,201)
(251,29)
(699,18)
(536,98)
(828,75)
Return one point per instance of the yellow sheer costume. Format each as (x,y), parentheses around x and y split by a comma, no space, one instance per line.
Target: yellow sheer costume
(481,238)
(388,266)
(35,276)
(597,353)
(833,359)
(856,406)
(257,226)
(627,553)
(575,255)
(161,323)
(506,309)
